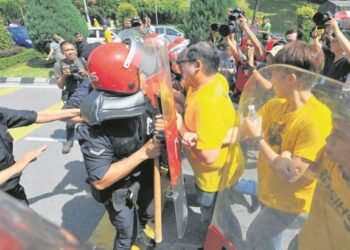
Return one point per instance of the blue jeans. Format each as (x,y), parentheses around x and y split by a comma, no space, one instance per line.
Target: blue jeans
(206,200)
(246,186)
(265,232)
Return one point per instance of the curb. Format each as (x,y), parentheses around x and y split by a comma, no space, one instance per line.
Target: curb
(27,80)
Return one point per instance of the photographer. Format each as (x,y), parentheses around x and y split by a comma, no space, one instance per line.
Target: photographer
(336,51)
(245,56)
(69,72)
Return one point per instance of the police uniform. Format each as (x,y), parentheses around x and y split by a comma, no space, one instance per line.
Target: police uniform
(10,118)
(101,146)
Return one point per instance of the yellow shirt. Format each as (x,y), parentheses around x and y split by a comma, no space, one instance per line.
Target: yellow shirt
(108,36)
(328,224)
(210,113)
(219,77)
(303,133)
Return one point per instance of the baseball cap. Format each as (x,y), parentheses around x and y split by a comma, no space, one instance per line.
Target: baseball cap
(275,50)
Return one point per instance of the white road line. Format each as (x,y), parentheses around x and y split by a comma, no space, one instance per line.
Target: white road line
(47,139)
(30,87)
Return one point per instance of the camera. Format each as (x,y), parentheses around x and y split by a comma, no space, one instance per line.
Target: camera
(320,19)
(232,25)
(135,22)
(74,71)
(235,14)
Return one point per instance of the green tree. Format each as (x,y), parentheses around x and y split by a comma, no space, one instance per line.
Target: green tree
(202,14)
(5,38)
(304,20)
(126,10)
(11,10)
(44,18)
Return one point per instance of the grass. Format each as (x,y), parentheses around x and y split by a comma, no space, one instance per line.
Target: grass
(37,67)
(282,13)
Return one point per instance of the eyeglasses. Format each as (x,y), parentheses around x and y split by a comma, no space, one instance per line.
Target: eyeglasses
(184,61)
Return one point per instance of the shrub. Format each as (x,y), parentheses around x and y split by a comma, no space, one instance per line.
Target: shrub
(24,56)
(5,38)
(202,14)
(44,18)
(10,52)
(304,20)
(126,10)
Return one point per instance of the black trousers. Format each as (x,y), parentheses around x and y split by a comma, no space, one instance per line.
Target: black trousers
(18,193)
(124,220)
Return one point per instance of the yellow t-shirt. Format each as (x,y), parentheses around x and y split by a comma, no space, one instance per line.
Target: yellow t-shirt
(108,36)
(303,133)
(219,77)
(328,224)
(210,113)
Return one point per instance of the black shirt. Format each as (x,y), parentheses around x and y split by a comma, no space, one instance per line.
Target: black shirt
(337,70)
(10,118)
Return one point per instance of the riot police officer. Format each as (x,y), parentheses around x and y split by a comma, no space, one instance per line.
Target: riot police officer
(10,170)
(117,144)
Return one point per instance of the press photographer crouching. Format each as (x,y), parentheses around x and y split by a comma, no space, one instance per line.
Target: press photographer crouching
(336,47)
(246,51)
(69,73)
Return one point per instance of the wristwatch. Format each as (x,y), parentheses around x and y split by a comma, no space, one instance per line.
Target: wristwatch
(258,139)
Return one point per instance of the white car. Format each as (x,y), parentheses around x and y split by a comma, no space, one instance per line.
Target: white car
(97,35)
(170,32)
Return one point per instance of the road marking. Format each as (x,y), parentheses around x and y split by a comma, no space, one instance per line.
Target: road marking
(30,87)
(9,90)
(19,133)
(47,139)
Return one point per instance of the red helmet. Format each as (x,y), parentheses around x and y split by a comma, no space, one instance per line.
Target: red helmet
(114,67)
(176,46)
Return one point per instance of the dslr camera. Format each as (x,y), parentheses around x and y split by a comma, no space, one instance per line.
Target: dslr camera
(135,22)
(74,71)
(320,19)
(232,25)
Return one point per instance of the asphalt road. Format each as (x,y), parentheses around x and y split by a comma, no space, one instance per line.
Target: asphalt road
(56,188)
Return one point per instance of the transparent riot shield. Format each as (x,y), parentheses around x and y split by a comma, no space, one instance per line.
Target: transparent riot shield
(21,229)
(156,84)
(284,117)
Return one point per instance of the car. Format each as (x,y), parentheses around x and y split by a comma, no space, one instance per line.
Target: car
(20,36)
(171,33)
(97,35)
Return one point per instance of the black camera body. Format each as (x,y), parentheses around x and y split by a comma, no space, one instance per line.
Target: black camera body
(320,19)
(74,71)
(232,25)
(235,14)
(135,22)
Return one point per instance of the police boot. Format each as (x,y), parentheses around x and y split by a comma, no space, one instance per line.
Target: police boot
(145,242)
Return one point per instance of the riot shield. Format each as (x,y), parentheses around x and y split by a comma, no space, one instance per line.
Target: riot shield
(159,86)
(156,84)
(21,229)
(284,183)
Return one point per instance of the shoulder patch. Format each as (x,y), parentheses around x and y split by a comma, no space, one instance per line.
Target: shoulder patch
(96,152)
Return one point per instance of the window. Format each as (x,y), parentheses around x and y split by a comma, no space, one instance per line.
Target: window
(92,33)
(171,32)
(160,30)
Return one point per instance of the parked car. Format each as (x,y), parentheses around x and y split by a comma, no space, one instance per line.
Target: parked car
(170,32)
(20,36)
(97,35)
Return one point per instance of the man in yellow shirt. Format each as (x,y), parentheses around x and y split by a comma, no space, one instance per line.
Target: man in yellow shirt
(296,122)
(209,115)
(107,34)
(328,223)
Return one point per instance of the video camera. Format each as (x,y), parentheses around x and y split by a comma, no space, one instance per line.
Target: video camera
(74,71)
(135,22)
(320,19)
(232,25)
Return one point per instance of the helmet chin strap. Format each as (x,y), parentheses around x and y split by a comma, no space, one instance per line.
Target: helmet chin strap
(131,54)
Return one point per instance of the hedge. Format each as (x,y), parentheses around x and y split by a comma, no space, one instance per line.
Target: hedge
(10,52)
(24,56)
